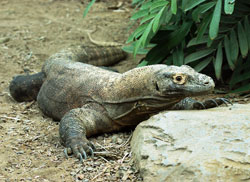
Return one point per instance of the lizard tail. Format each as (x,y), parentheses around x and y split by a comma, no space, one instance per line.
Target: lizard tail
(101,56)
(94,55)
(26,87)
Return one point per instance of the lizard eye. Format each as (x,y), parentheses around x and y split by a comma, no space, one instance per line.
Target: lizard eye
(179,79)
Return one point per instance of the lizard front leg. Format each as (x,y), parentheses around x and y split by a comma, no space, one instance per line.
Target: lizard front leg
(191,104)
(80,123)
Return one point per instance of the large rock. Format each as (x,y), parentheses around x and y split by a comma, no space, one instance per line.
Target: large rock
(209,145)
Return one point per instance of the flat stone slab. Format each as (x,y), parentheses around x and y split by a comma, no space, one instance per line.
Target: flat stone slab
(205,145)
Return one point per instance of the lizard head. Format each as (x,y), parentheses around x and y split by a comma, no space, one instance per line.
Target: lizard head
(182,81)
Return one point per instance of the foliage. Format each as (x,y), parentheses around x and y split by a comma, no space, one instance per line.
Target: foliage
(198,33)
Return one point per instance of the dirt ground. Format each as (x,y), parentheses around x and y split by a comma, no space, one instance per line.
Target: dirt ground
(30,31)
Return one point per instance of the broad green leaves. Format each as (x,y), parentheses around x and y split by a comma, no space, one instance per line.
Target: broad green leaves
(197,55)
(174,6)
(218,62)
(214,25)
(229,6)
(152,14)
(199,33)
(191,4)
(242,40)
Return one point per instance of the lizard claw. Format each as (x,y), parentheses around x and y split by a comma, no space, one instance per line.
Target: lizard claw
(83,153)
(79,148)
(91,152)
(214,101)
(189,103)
(65,151)
(79,156)
(225,101)
(201,104)
(92,146)
(210,103)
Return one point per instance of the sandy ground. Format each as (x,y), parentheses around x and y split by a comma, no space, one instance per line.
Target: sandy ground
(30,31)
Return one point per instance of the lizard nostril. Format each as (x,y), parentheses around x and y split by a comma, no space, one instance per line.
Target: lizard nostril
(206,83)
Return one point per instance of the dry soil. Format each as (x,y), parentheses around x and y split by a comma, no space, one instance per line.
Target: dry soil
(31,31)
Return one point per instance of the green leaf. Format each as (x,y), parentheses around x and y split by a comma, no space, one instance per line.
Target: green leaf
(174,6)
(228,20)
(241,72)
(229,6)
(157,19)
(239,77)
(148,17)
(88,8)
(137,33)
(146,5)
(137,46)
(143,63)
(179,35)
(203,26)
(160,51)
(214,25)
(209,42)
(139,14)
(242,40)
(197,55)
(135,2)
(234,47)
(196,41)
(247,29)
(130,49)
(146,36)
(218,61)
(228,53)
(167,16)
(184,4)
(169,60)
(203,64)
(158,4)
(178,56)
(192,3)
(201,9)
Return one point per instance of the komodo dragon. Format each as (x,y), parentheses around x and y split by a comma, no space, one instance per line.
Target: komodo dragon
(89,100)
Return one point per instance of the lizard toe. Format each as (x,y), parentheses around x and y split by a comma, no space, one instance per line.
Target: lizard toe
(91,151)
(79,147)
(83,153)
(225,101)
(199,105)
(210,103)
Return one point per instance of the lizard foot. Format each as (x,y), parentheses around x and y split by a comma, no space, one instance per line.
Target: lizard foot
(190,104)
(80,148)
(210,103)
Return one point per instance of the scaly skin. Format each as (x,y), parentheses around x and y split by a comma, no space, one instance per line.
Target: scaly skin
(89,100)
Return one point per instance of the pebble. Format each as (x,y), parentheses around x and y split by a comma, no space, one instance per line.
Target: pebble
(80,177)
(20,152)
(90,168)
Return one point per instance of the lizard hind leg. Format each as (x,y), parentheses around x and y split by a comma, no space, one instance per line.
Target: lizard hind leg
(26,87)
